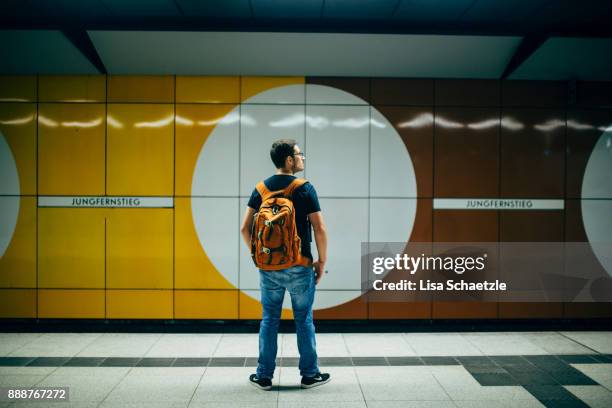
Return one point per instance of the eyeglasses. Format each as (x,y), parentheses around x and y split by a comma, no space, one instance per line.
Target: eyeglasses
(301,154)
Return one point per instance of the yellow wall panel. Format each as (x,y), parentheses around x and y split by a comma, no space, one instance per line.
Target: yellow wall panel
(139,248)
(71,149)
(253,85)
(193,268)
(194,123)
(71,247)
(140,150)
(250,309)
(207,89)
(18,88)
(206,304)
(18,127)
(72,88)
(139,304)
(71,304)
(145,88)
(18,263)
(17,303)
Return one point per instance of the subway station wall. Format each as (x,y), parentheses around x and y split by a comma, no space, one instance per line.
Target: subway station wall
(190,149)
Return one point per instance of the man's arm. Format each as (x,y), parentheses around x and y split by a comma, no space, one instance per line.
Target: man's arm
(320,233)
(245,228)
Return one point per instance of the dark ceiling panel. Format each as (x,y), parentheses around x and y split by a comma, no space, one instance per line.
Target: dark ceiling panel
(287,8)
(507,11)
(67,8)
(431,10)
(572,12)
(359,9)
(143,8)
(216,8)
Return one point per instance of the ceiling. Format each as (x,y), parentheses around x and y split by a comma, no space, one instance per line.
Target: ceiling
(517,39)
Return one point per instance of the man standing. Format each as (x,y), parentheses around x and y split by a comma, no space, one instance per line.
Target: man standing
(298,279)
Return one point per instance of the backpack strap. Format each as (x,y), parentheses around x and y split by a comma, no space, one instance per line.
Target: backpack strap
(262,190)
(295,184)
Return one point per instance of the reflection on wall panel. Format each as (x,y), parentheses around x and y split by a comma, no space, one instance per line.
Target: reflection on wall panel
(196,89)
(139,248)
(71,149)
(17,242)
(71,248)
(206,304)
(199,157)
(140,150)
(145,88)
(70,304)
(17,303)
(17,88)
(18,148)
(139,304)
(72,88)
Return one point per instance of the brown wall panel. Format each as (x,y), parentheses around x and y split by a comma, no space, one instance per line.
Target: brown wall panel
(532,153)
(399,91)
(534,93)
(466,152)
(474,92)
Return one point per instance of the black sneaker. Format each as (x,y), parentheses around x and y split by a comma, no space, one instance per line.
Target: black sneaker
(260,383)
(319,379)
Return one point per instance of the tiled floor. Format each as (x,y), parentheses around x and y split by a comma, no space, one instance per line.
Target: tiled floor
(386,370)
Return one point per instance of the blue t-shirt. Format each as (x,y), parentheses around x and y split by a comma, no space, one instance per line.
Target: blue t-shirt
(305,201)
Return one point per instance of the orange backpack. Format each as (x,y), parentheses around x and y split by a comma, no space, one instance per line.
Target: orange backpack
(275,243)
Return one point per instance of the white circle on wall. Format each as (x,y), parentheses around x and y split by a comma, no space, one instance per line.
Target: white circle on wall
(596,200)
(236,153)
(9,195)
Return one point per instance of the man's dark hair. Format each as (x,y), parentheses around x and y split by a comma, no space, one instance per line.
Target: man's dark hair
(281,149)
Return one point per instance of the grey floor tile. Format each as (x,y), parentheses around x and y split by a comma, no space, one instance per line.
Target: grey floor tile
(214,404)
(191,362)
(343,387)
(405,361)
(290,361)
(576,358)
(230,385)
(411,404)
(82,388)
(369,361)
(335,361)
(155,362)
(598,341)
(15,361)
(328,404)
(145,388)
(48,362)
(148,404)
(487,379)
(120,362)
(549,392)
(399,384)
(439,360)
(227,362)
(84,362)
(20,380)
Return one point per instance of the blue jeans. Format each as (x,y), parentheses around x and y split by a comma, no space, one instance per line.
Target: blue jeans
(300,282)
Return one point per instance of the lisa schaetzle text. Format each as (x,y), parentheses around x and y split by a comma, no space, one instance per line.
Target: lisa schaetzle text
(442,265)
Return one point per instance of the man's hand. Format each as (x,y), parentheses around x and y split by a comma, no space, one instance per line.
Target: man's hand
(319,269)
